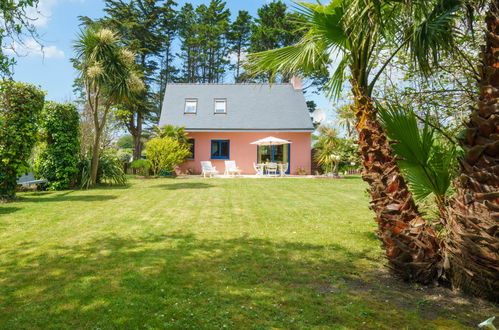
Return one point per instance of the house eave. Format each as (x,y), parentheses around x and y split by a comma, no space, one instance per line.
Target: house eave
(251,130)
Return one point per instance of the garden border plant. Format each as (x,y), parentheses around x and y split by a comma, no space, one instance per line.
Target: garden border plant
(165,154)
(59,157)
(20,106)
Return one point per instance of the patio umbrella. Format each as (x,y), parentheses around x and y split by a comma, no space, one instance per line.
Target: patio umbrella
(270,141)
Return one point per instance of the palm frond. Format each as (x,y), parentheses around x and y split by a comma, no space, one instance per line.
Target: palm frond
(433,32)
(427,164)
(306,57)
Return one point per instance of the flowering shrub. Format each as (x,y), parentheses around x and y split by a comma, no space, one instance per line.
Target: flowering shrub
(301,171)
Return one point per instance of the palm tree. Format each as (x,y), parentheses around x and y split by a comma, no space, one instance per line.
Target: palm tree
(346,119)
(472,246)
(108,73)
(327,145)
(176,132)
(356,32)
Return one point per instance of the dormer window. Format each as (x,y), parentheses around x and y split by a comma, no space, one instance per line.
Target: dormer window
(191,106)
(220,106)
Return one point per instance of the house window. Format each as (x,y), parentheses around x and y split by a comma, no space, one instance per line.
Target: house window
(220,106)
(192,144)
(220,149)
(191,106)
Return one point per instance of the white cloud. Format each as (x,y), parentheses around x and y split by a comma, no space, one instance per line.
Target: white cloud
(42,13)
(32,48)
(233,57)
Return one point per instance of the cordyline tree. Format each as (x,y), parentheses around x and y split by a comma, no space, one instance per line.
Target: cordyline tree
(146,28)
(357,32)
(109,77)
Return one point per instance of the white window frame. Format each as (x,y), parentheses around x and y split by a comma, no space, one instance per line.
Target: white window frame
(185,106)
(215,106)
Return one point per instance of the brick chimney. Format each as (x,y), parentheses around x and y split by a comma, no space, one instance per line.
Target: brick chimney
(296,83)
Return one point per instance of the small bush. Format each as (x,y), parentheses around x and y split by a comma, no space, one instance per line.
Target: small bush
(20,106)
(165,154)
(58,159)
(142,166)
(110,170)
(125,155)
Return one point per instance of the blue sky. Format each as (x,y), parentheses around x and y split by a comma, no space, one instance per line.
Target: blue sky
(57,23)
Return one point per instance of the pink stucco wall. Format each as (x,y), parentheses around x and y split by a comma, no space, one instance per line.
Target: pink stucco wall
(245,153)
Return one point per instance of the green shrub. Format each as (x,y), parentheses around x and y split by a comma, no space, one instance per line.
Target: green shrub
(110,170)
(142,166)
(58,159)
(125,155)
(20,106)
(165,154)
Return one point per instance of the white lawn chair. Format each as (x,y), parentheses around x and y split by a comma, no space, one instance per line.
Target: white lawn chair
(231,168)
(208,169)
(258,168)
(283,168)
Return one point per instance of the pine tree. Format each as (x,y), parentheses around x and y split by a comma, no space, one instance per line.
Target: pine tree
(274,28)
(187,31)
(239,40)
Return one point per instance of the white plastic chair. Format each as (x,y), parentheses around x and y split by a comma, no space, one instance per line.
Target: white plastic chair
(258,168)
(208,169)
(231,168)
(283,168)
(271,168)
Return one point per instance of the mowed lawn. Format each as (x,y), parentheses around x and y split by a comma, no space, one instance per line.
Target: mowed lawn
(208,253)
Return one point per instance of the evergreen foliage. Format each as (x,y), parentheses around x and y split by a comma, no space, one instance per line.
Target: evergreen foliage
(239,40)
(20,106)
(58,159)
(165,154)
(110,170)
(142,166)
(125,142)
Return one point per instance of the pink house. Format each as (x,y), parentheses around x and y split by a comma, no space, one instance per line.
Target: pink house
(223,119)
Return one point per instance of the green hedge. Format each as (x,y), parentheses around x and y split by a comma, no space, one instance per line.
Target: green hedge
(20,106)
(59,156)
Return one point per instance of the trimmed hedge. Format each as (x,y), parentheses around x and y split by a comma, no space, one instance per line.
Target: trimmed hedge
(59,157)
(20,106)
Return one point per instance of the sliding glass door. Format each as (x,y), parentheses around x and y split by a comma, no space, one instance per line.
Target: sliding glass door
(274,154)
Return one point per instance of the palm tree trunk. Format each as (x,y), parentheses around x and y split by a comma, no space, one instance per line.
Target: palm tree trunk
(410,244)
(472,246)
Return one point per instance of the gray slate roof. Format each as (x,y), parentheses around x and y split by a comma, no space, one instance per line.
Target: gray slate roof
(250,107)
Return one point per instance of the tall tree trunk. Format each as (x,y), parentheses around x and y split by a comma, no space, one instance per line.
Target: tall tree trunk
(472,246)
(411,246)
(95,157)
(137,135)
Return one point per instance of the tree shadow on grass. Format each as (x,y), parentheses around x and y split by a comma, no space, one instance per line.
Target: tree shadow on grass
(66,197)
(8,210)
(180,281)
(184,185)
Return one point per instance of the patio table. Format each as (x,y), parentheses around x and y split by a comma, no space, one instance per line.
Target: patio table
(282,168)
